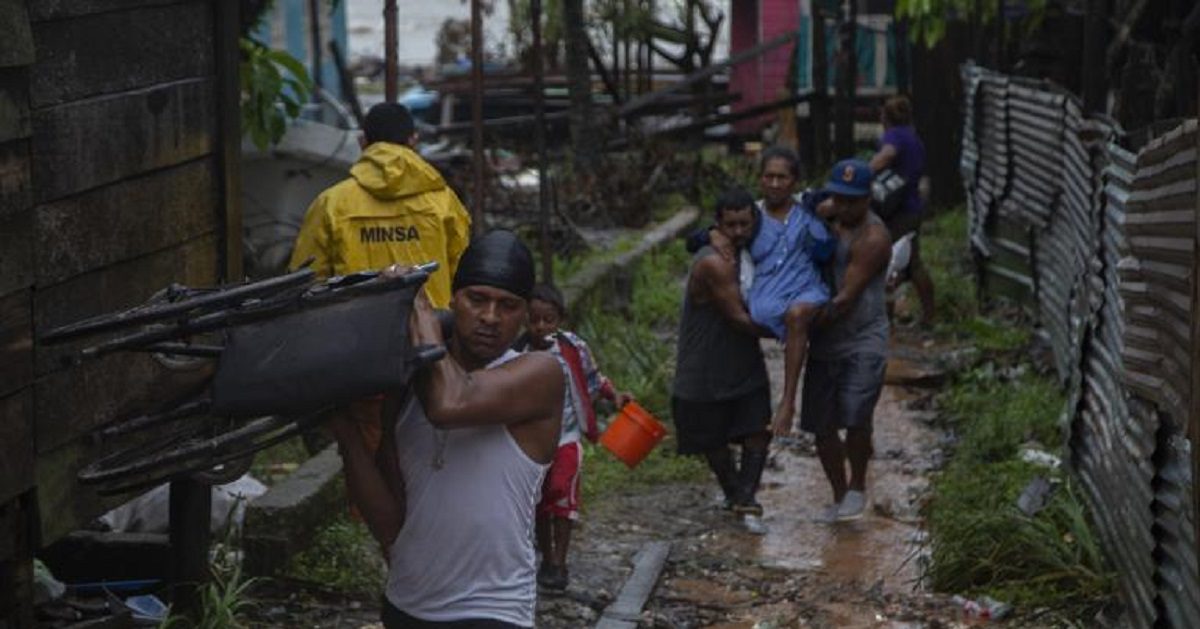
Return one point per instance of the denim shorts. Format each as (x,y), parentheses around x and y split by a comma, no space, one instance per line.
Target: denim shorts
(841,393)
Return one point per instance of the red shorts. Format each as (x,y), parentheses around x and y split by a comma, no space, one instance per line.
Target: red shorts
(560,490)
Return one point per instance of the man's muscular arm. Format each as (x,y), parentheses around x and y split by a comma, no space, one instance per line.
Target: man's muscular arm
(381,509)
(525,394)
(869,256)
(719,280)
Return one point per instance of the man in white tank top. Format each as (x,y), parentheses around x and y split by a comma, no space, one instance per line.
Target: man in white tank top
(451,496)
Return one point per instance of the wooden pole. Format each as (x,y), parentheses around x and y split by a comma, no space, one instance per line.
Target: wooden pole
(846,79)
(314,44)
(539,111)
(391,44)
(819,107)
(190,506)
(477,201)
(1092,74)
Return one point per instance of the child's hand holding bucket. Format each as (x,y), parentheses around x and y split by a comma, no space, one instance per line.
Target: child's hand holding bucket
(632,434)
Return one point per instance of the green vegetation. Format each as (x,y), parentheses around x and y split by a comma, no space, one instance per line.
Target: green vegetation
(344,557)
(981,543)
(274,85)
(634,348)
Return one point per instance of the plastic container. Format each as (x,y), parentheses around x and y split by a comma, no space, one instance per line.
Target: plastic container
(632,434)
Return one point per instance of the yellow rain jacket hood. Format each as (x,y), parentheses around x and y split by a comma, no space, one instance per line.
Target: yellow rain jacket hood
(395,208)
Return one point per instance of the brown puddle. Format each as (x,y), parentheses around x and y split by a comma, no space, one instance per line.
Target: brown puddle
(877,552)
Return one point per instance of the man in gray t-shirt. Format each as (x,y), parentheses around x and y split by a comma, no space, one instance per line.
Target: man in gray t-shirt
(848,350)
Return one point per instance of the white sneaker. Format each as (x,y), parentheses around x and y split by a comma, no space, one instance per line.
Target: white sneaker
(754,525)
(854,503)
(829,514)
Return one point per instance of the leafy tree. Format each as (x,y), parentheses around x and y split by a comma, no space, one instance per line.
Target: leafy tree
(274,85)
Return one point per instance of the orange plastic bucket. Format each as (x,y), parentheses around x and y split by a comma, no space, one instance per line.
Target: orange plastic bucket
(633,434)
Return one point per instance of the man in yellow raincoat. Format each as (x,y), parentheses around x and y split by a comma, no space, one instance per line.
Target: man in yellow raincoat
(395,208)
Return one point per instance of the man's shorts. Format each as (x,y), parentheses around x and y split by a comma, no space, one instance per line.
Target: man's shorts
(560,490)
(841,393)
(704,426)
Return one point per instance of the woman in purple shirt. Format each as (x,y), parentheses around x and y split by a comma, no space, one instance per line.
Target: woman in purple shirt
(902,151)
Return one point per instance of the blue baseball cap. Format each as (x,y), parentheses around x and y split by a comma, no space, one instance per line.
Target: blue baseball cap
(851,178)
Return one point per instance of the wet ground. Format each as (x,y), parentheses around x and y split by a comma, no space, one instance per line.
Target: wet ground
(802,572)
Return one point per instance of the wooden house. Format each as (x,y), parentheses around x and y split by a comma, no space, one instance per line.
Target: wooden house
(119,136)
(787,69)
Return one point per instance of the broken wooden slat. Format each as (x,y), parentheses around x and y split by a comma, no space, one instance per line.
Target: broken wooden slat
(625,612)
(79,57)
(700,75)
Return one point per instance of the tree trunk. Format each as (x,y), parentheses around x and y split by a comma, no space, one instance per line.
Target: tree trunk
(903,84)
(579,83)
(819,106)
(847,78)
(1095,67)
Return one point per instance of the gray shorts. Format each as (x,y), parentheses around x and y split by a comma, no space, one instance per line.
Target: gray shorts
(841,393)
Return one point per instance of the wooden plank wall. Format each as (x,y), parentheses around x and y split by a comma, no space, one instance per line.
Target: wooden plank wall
(16,315)
(113,183)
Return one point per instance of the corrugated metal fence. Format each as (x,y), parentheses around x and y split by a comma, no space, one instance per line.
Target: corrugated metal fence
(1101,242)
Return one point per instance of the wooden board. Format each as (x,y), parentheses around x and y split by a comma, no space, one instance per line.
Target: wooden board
(16,252)
(41,10)
(153,212)
(16,189)
(16,341)
(63,503)
(89,143)
(16,46)
(117,287)
(626,611)
(72,404)
(16,444)
(113,52)
(14,103)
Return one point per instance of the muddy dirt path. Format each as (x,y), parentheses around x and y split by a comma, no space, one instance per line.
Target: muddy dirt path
(802,572)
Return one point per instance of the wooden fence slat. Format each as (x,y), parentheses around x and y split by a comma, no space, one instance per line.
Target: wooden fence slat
(16,47)
(43,10)
(16,444)
(16,252)
(115,288)
(154,212)
(73,403)
(16,190)
(98,141)
(116,52)
(64,504)
(14,103)
(16,341)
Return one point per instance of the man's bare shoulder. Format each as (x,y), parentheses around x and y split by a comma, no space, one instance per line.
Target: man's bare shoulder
(875,236)
(534,366)
(712,266)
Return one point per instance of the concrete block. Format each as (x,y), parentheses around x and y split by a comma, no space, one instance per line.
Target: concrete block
(283,521)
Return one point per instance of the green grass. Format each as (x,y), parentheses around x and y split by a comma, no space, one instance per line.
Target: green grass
(634,349)
(946,255)
(981,543)
(342,556)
